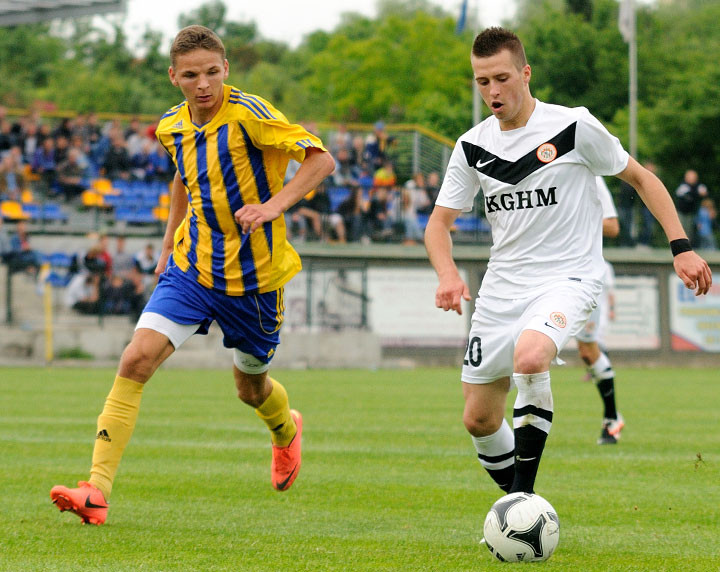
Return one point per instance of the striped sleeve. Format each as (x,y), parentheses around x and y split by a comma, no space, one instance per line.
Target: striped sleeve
(268,127)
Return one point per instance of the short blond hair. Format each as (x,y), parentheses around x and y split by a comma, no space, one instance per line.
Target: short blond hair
(195,37)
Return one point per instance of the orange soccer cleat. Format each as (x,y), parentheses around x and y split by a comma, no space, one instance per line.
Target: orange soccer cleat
(86,501)
(286,460)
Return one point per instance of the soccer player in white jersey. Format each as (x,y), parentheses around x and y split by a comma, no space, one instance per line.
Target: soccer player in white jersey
(590,337)
(536,164)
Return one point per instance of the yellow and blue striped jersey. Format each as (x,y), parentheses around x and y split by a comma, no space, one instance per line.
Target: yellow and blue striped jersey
(239,157)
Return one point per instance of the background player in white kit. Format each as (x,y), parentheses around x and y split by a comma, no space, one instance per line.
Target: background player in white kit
(536,164)
(590,337)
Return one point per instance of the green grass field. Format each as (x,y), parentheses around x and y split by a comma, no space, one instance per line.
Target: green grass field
(389,479)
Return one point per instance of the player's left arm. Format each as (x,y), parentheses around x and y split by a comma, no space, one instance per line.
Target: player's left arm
(691,268)
(317,165)
(611,227)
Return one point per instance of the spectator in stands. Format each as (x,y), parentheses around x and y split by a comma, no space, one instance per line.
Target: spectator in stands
(317,213)
(103,249)
(82,294)
(376,146)
(412,233)
(123,261)
(385,176)
(706,224)
(71,175)
(432,187)
(12,174)
(134,137)
(158,167)
(44,163)
(64,129)
(82,148)
(688,196)
(340,140)
(7,138)
(346,173)
(354,212)
(91,131)
(94,262)
(420,198)
(122,297)
(379,216)
(117,161)
(357,150)
(62,147)
(145,261)
(22,256)
(29,141)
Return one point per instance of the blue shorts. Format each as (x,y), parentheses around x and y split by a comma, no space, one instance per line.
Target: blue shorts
(249,323)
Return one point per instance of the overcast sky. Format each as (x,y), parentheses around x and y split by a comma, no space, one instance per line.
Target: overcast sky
(286,20)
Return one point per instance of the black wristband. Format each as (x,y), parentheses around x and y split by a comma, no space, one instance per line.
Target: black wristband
(680,245)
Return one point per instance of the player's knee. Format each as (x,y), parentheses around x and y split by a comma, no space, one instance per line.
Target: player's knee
(137,363)
(251,389)
(585,355)
(481,424)
(530,360)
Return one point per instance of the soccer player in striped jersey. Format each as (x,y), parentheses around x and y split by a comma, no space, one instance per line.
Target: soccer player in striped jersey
(536,164)
(225,257)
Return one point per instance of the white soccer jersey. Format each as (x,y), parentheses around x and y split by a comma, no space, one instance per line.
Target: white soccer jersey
(540,194)
(606,201)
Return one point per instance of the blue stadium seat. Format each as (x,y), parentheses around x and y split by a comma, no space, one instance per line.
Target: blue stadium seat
(52,211)
(33,211)
(422,220)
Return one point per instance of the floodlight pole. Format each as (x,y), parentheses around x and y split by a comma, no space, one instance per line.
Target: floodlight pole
(633,82)
(477,100)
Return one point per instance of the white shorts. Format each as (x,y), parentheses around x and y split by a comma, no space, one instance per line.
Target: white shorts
(559,311)
(593,330)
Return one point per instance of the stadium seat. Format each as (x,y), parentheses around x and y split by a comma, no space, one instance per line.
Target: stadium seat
(422,220)
(27,196)
(92,198)
(13,210)
(52,211)
(33,211)
(161,213)
(102,186)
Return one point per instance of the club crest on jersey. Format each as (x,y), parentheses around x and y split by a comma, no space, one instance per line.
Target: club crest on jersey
(547,152)
(559,319)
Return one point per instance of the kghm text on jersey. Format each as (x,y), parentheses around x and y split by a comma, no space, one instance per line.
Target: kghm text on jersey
(520,200)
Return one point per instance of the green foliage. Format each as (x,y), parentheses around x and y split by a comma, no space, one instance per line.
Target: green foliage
(389,479)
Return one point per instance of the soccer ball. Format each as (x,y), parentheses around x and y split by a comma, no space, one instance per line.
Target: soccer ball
(521,527)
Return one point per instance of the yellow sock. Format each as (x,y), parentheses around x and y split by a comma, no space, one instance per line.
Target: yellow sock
(115,427)
(275,411)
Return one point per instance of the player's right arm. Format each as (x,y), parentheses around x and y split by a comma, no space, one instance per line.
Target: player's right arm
(452,289)
(177,211)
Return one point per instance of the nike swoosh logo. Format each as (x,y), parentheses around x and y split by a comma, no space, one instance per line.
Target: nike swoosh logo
(281,485)
(88,504)
(480,165)
(525,458)
(551,326)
